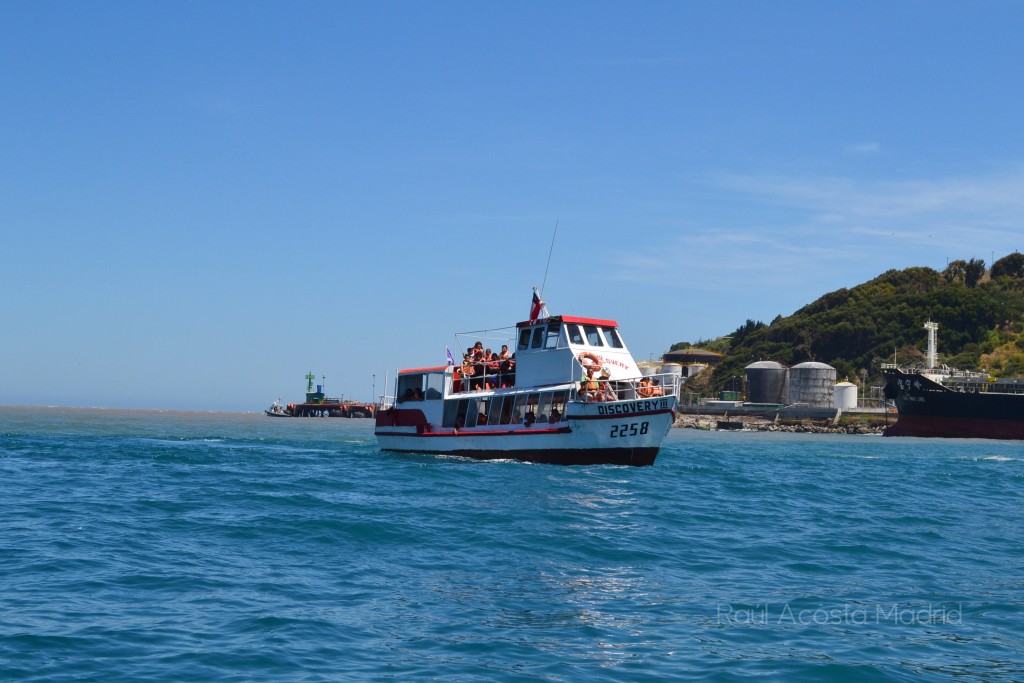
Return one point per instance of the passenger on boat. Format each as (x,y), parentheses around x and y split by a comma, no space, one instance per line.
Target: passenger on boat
(590,387)
(607,391)
(656,390)
(507,372)
(504,355)
(555,415)
(492,370)
(644,388)
(479,365)
(468,372)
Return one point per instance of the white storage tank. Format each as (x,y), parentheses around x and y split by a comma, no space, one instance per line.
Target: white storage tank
(846,396)
(812,384)
(673,374)
(766,382)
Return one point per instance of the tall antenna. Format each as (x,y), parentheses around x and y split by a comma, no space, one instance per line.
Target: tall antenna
(549,260)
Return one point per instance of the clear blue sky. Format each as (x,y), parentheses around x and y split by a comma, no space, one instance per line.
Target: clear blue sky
(200,202)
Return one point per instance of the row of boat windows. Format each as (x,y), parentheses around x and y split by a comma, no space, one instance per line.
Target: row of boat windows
(547,336)
(546,407)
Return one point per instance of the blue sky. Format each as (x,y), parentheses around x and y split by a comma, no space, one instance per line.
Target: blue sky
(203,201)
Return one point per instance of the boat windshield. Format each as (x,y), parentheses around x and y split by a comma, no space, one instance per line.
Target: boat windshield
(611,335)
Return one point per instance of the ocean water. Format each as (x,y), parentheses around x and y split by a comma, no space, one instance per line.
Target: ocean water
(170,546)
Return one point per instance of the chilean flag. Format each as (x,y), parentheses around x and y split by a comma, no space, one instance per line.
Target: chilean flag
(535,309)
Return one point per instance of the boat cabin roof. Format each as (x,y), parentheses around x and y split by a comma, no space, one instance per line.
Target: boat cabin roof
(569,319)
(436,368)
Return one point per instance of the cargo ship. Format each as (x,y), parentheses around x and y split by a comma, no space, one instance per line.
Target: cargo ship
(939,401)
(570,394)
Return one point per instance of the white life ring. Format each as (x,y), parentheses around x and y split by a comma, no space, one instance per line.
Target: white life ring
(589,361)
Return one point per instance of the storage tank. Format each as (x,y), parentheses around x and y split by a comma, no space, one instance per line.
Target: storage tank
(846,396)
(766,382)
(812,385)
(673,374)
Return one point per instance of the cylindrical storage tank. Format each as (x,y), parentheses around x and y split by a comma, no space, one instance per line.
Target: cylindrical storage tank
(673,375)
(766,382)
(648,370)
(812,385)
(846,396)
(693,368)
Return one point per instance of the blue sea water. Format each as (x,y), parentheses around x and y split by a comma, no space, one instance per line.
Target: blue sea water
(170,546)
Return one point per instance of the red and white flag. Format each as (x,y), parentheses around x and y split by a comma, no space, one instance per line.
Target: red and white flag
(537,306)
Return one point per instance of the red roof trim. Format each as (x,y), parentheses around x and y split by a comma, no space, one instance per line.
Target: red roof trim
(433,369)
(570,319)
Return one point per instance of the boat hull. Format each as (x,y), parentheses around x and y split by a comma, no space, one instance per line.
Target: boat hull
(615,433)
(928,409)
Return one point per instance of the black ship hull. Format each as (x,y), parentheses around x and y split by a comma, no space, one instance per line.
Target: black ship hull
(927,408)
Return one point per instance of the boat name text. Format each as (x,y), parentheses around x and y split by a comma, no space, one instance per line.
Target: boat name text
(632,407)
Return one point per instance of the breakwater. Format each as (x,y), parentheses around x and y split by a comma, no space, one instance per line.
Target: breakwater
(849,424)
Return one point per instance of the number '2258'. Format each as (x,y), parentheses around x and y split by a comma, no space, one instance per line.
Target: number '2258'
(629,429)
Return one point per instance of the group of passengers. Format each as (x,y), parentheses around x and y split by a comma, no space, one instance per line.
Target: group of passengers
(411,395)
(598,387)
(649,388)
(484,369)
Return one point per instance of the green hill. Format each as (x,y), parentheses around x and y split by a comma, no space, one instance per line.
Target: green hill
(980,315)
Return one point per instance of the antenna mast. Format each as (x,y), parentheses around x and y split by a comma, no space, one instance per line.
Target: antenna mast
(545,281)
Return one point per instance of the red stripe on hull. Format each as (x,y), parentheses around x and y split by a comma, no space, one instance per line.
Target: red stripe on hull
(956,427)
(473,432)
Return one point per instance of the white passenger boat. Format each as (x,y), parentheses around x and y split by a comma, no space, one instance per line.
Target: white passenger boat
(572,395)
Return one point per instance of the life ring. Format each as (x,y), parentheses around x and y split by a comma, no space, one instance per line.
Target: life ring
(589,361)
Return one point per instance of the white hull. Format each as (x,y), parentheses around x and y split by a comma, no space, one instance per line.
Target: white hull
(620,432)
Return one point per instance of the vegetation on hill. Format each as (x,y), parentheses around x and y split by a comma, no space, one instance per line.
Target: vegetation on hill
(980,315)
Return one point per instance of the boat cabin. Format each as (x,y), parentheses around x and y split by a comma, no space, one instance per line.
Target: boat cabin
(548,350)
(547,355)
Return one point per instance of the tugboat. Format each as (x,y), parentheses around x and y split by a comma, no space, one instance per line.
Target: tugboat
(943,402)
(277,410)
(571,394)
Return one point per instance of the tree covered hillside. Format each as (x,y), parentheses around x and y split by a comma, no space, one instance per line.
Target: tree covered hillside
(980,315)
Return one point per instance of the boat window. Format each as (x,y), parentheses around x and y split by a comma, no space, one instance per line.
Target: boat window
(538,338)
(552,340)
(544,407)
(455,413)
(524,338)
(531,408)
(558,400)
(506,409)
(593,337)
(410,387)
(519,412)
(435,386)
(575,334)
(611,335)
(494,413)
(472,412)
